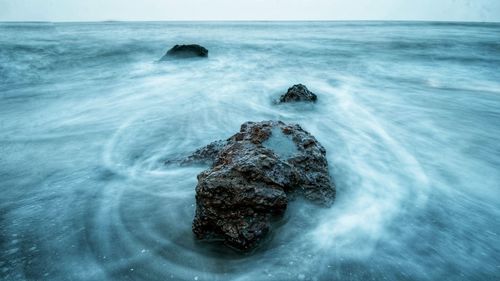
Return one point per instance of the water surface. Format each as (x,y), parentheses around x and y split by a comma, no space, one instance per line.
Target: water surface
(409,114)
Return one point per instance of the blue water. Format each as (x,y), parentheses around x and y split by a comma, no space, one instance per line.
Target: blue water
(409,114)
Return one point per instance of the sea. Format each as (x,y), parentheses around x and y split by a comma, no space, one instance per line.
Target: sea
(409,114)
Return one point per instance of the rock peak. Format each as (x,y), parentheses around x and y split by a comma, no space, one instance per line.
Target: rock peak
(298,93)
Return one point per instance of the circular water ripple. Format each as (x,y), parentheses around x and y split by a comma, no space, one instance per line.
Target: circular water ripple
(139,224)
(409,133)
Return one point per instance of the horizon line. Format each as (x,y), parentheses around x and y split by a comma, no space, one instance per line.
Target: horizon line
(246,20)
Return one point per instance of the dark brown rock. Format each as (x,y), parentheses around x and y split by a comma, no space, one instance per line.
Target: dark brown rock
(204,155)
(186,51)
(298,93)
(251,176)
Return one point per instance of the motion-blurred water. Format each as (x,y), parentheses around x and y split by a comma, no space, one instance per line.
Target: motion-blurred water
(409,114)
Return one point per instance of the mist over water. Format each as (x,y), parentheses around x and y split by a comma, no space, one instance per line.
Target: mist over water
(409,114)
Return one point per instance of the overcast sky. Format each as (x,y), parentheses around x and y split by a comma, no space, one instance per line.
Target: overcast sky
(96,10)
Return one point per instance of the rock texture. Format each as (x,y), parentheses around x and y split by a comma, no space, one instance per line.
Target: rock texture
(251,177)
(204,155)
(186,51)
(298,93)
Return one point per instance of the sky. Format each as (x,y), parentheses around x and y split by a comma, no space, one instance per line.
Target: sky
(152,10)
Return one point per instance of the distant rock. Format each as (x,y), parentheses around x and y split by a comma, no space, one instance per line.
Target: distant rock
(186,51)
(251,177)
(298,93)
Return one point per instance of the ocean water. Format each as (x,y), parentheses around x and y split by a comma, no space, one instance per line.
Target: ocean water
(409,114)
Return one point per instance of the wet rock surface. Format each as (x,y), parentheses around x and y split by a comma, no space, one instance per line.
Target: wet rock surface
(251,178)
(204,155)
(298,93)
(186,51)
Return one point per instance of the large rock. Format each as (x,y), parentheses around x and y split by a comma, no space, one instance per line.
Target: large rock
(251,178)
(186,51)
(298,93)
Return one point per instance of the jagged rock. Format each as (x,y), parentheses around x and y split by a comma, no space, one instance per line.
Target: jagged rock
(201,156)
(186,51)
(204,155)
(298,93)
(251,177)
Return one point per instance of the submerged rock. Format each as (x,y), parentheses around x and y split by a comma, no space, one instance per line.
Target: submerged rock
(251,177)
(298,93)
(205,155)
(186,51)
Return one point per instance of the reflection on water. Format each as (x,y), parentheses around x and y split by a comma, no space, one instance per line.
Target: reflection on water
(408,114)
(281,144)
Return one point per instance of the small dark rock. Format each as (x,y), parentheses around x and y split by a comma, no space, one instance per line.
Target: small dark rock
(186,51)
(204,155)
(298,93)
(251,175)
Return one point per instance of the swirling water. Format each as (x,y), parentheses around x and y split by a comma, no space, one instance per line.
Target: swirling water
(409,114)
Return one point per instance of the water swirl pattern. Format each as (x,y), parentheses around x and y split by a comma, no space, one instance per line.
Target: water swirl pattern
(409,114)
